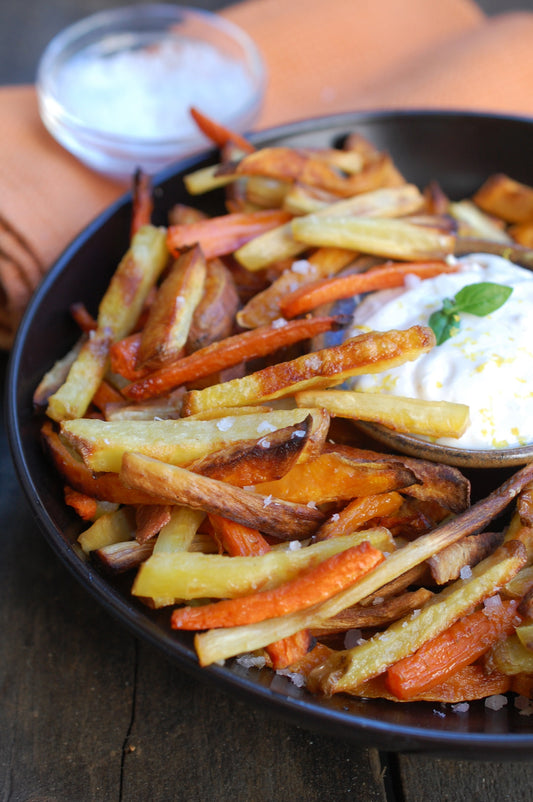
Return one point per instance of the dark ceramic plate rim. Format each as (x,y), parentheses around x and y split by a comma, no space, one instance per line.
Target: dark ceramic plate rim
(289,702)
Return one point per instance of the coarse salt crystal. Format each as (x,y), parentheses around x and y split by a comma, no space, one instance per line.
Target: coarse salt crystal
(265,426)
(378,600)
(279,323)
(298,433)
(294,545)
(251,661)
(301,266)
(335,517)
(439,713)
(461,707)
(295,678)
(267,501)
(264,443)
(465,572)
(224,424)
(311,505)
(496,702)
(492,603)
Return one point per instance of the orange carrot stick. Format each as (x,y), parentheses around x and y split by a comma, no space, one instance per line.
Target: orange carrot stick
(237,539)
(313,586)
(218,236)
(85,506)
(455,648)
(83,317)
(225,353)
(219,134)
(381,277)
(123,357)
(142,202)
(358,512)
(285,652)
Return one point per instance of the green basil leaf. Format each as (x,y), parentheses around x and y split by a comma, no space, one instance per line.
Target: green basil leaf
(444,325)
(482,299)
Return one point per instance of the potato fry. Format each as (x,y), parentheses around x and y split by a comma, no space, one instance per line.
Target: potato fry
(214,317)
(280,243)
(510,657)
(411,415)
(117,314)
(169,319)
(102,443)
(393,239)
(109,529)
(368,353)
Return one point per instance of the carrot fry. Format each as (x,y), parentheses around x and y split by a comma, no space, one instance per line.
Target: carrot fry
(380,277)
(230,351)
(458,646)
(123,357)
(285,652)
(83,318)
(85,506)
(106,394)
(142,201)
(237,539)
(219,236)
(219,134)
(311,587)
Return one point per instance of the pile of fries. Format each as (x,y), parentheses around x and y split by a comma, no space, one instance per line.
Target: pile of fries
(198,432)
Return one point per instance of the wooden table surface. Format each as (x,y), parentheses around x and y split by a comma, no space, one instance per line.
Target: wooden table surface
(87,712)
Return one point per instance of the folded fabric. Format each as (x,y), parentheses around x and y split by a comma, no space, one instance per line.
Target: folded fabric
(321,58)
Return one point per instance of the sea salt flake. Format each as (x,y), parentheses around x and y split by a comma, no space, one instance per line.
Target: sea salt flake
(295,678)
(279,322)
(224,424)
(311,505)
(439,713)
(265,426)
(465,572)
(298,433)
(461,707)
(335,517)
(251,661)
(378,600)
(267,501)
(492,604)
(496,702)
(294,545)
(302,267)
(264,443)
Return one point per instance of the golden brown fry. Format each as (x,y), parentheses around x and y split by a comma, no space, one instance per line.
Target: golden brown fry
(167,327)
(389,610)
(447,564)
(108,529)
(269,457)
(149,520)
(213,318)
(504,197)
(282,519)
(117,558)
(367,353)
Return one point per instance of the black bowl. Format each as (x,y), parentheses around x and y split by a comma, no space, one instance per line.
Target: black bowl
(459,150)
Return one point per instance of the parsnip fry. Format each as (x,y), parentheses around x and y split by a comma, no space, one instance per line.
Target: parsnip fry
(411,415)
(282,519)
(447,564)
(368,353)
(111,528)
(187,575)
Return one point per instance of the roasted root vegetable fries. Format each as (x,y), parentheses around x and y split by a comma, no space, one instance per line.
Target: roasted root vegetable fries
(202,434)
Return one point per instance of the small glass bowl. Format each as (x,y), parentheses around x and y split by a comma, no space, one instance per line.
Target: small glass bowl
(115,88)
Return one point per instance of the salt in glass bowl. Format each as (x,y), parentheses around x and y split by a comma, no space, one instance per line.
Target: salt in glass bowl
(115,88)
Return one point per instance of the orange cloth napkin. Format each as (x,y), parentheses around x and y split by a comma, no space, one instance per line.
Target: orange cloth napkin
(322,57)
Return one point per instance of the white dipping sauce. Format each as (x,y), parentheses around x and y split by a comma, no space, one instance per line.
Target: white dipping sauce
(487,364)
(147,92)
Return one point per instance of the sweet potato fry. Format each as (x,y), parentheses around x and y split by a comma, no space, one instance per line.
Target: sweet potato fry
(219,134)
(218,236)
(384,276)
(358,512)
(167,327)
(282,519)
(314,585)
(106,394)
(230,351)
(331,477)
(458,646)
(368,353)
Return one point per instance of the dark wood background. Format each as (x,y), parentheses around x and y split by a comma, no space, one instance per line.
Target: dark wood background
(89,713)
